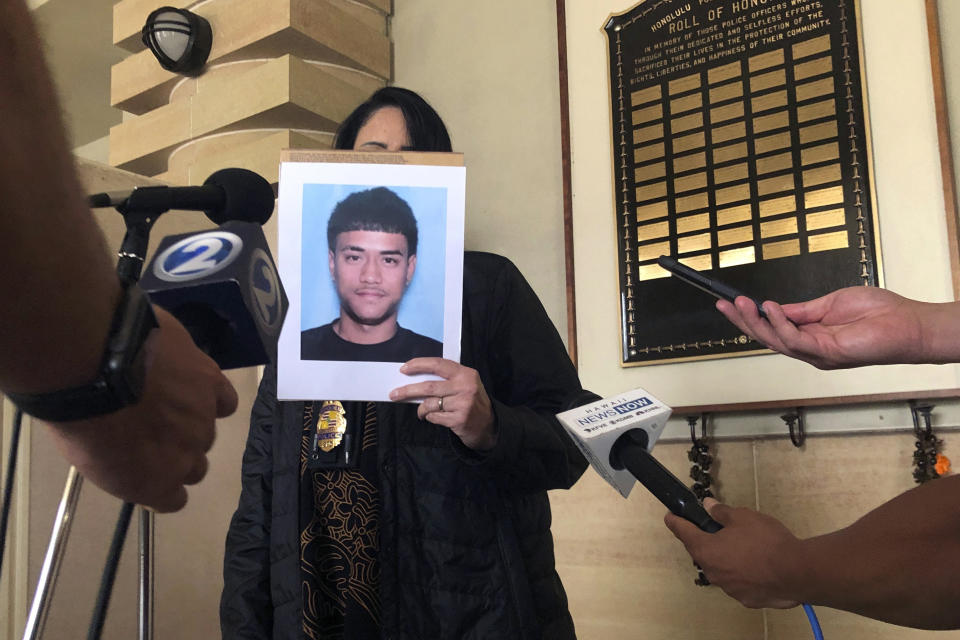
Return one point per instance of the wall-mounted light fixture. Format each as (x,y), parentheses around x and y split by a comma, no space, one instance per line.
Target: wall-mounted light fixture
(180,40)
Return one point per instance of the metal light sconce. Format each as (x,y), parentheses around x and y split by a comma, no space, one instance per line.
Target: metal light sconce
(180,40)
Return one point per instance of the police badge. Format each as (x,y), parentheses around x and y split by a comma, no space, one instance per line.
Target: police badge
(331,425)
(334,436)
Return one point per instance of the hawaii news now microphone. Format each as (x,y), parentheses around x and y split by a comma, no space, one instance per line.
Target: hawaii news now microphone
(617,434)
(222,284)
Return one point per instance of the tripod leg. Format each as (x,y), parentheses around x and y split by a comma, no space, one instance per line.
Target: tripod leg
(146,560)
(51,561)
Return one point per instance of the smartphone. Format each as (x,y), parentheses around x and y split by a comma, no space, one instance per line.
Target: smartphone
(702,282)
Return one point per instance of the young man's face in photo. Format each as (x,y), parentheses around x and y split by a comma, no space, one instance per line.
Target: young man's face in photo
(371,270)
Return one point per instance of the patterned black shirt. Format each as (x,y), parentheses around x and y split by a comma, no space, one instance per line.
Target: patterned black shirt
(339,541)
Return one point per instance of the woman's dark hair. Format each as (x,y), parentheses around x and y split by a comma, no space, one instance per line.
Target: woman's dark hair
(426,129)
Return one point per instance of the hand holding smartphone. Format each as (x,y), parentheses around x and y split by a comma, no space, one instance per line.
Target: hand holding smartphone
(713,287)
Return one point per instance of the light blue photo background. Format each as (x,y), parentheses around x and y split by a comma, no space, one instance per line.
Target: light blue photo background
(421,309)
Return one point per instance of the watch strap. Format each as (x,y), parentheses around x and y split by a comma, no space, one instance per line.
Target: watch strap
(119,380)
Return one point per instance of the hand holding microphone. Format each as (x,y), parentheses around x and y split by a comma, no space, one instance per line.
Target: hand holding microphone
(748,560)
(616,435)
(221,284)
(147,452)
(224,287)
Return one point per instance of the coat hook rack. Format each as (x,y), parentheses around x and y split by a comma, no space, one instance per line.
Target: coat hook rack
(929,463)
(701,460)
(794,422)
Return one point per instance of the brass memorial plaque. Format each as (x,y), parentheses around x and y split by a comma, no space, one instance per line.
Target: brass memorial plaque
(740,148)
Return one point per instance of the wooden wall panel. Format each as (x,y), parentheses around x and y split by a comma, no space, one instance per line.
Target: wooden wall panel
(248,29)
(275,66)
(256,150)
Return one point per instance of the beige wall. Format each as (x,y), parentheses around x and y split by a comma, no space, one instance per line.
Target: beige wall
(490,69)
(625,574)
(909,201)
(627,577)
(514,182)
(189,543)
(949,13)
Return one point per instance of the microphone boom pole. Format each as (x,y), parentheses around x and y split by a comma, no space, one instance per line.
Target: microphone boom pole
(228,194)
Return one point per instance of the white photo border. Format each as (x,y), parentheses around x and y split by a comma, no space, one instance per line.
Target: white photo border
(299,379)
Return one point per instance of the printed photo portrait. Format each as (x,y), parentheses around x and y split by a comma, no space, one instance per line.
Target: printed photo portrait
(372,273)
(371,257)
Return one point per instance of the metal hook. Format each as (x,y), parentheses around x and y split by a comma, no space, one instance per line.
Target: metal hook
(692,421)
(795,425)
(917,410)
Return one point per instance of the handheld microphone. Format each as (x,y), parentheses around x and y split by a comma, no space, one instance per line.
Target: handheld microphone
(228,194)
(224,287)
(617,434)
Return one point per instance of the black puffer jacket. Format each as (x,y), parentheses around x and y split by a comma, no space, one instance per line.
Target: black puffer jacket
(466,550)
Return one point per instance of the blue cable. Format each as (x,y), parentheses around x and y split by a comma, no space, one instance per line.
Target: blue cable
(814,623)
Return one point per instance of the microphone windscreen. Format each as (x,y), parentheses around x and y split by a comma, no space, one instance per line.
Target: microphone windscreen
(595,427)
(248,197)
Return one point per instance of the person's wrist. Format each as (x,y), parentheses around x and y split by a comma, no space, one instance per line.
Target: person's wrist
(938,327)
(800,576)
(491,436)
(484,444)
(489,433)
(67,351)
(119,378)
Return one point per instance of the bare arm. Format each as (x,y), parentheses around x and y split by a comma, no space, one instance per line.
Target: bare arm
(54,259)
(854,327)
(898,563)
(60,289)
